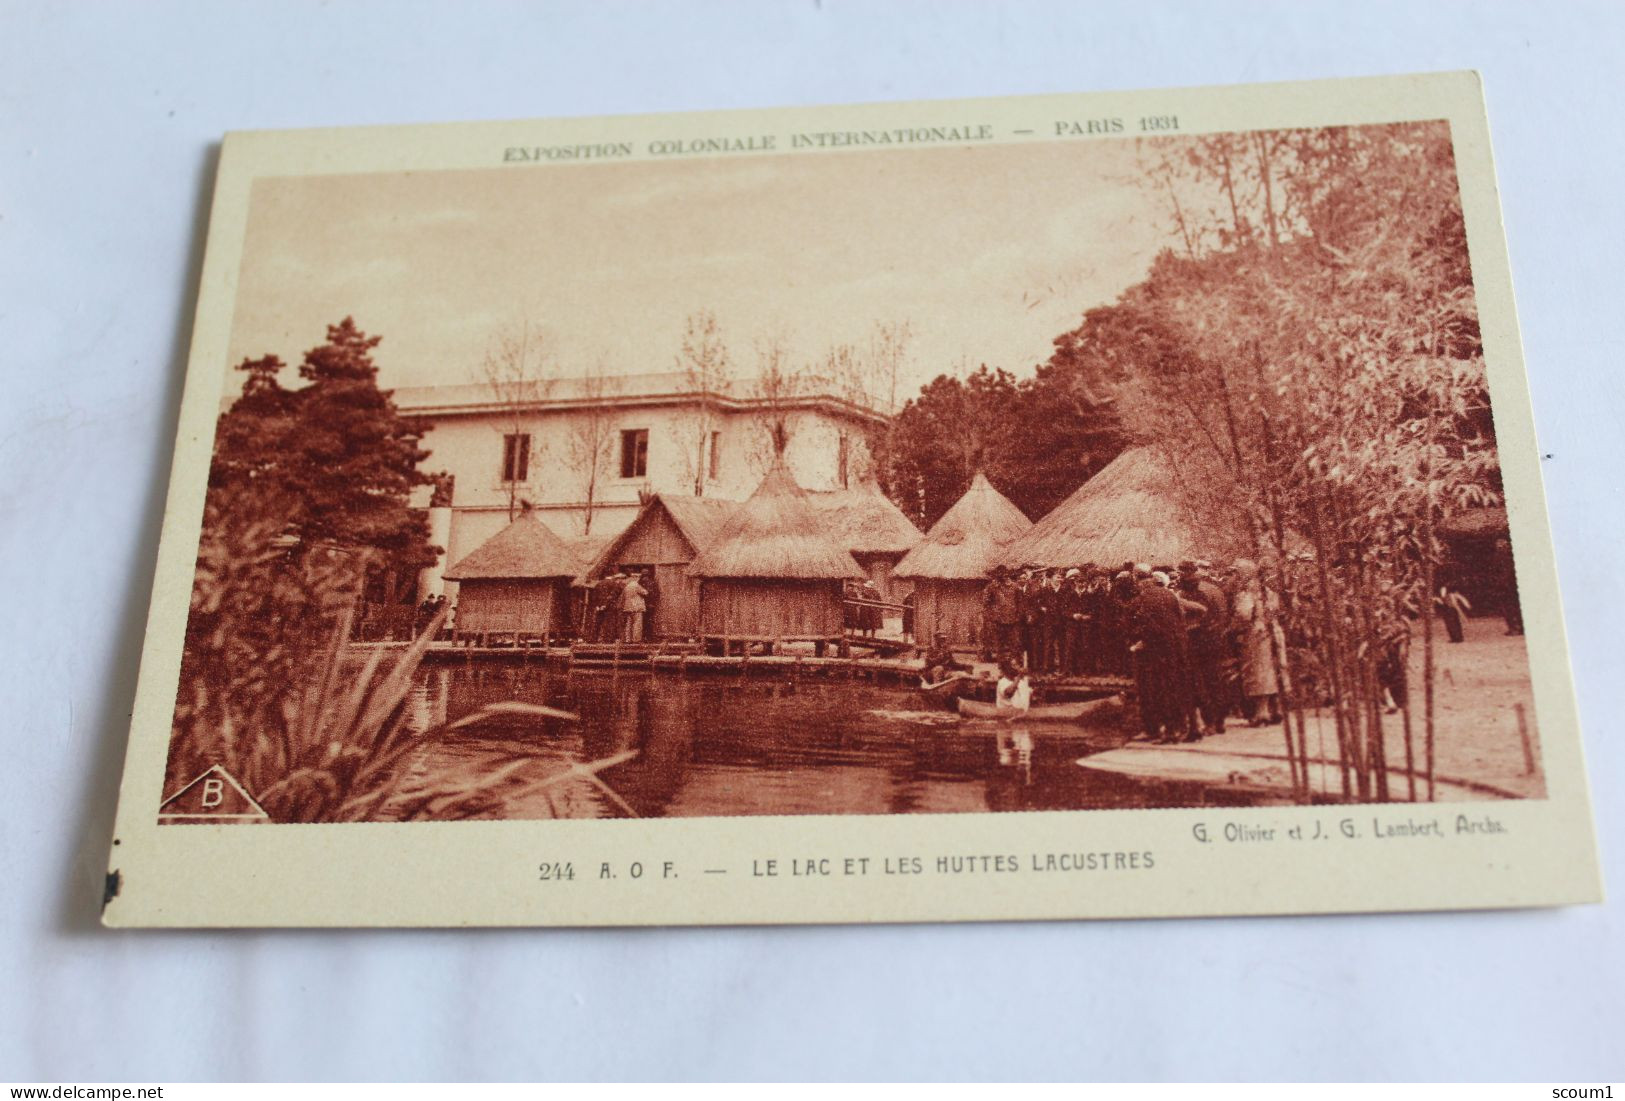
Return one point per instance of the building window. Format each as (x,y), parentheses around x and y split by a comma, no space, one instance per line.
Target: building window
(516,456)
(635,453)
(714,470)
(842,453)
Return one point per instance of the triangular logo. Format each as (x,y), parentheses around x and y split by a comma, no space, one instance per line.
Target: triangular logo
(213,796)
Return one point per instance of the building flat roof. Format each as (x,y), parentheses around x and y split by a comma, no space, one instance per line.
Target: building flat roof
(663,388)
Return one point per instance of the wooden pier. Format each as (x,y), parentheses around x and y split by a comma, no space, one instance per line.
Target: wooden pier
(690,658)
(880,644)
(616,655)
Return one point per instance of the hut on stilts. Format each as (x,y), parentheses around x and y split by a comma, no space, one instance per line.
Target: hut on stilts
(1134,510)
(950,567)
(872,530)
(667,535)
(774,573)
(516,583)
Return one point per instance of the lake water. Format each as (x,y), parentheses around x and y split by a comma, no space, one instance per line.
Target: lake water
(718,746)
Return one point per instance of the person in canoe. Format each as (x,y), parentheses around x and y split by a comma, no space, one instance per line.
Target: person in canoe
(940,663)
(1014,694)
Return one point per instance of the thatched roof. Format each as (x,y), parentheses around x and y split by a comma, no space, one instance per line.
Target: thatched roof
(777,533)
(865,521)
(968,539)
(587,549)
(1129,512)
(699,520)
(526,548)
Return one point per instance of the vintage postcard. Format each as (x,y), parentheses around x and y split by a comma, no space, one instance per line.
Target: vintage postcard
(1054,507)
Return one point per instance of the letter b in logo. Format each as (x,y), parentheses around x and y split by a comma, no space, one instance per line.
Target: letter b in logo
(214,791)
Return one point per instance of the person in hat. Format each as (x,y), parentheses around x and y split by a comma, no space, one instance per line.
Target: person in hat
(873,614)
(1001,616)
(1096,608)
(1161,663)
(1207,618)
(1026,593)
(855,605)
(1042,619)
(606,607)
(651,600)
(1060,642)
(1263,643)
(632,608)
(1072,610)
(940,661)
(1118,612)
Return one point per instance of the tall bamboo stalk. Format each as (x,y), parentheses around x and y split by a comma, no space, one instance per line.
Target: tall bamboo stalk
(1285,685)
(1330,655)
(1430,582)
(1410,747)
(1272,620)
(1370,682)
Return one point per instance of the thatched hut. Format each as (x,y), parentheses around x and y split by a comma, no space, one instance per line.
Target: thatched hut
(1132,511)
(774,573)
(667,535)
(949,569)
(516,582)
(872,530)
(587,549)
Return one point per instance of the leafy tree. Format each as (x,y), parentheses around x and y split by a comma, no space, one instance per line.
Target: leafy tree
(1065,433)
(941,438)
(1038,440)
(333,460)
(1312,356)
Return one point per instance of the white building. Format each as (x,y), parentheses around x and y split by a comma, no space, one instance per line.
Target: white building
(649,433)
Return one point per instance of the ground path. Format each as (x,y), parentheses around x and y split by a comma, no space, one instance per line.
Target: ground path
(1482,684)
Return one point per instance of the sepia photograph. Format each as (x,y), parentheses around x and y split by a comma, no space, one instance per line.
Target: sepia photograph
(1119,468)
(811,541)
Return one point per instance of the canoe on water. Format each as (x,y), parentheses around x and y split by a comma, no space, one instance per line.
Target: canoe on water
(949,688)
(1043,712)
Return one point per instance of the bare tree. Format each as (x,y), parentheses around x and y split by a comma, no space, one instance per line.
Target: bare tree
(705,367)
(518,368)
(591,436)
(776,388)
(843,372)
(888,352)
(1233,191)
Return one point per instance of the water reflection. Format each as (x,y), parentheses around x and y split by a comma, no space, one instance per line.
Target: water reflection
(726,746)
(428,698)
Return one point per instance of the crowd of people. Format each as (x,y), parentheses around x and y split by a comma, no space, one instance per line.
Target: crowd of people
(429,607)
(1202,644)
